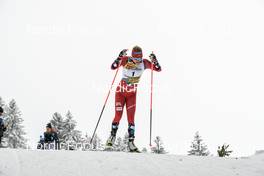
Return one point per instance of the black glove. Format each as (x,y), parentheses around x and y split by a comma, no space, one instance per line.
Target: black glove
(115,64)
(123,53)
(153,59)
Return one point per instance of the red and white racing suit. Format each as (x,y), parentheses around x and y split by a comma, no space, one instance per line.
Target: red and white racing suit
(126,92)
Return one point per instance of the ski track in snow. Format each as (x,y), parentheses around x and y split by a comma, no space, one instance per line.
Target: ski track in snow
(77,163)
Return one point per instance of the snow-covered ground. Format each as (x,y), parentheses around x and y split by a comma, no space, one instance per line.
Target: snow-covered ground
(78,163)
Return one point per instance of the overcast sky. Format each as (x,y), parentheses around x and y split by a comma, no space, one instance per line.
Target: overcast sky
(53,55)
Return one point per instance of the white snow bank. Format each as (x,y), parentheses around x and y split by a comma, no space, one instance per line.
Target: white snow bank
(77,163)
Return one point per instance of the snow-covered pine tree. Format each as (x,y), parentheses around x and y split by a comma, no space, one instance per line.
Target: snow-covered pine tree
(144,150)
(86,142)
(2,103)
(118,144)
(69,131)
(58,123)
(14,137)
(97,143)
(124,146)
(198,148)
(158,147)
(65,128)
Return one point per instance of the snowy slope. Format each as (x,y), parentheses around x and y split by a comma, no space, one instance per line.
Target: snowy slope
(67,163)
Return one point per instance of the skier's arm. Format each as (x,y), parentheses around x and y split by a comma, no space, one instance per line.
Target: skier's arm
(120,61)
(115,64)
(148,65)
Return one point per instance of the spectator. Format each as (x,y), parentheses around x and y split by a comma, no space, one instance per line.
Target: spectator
(41,143)
(51,136)
(2,125)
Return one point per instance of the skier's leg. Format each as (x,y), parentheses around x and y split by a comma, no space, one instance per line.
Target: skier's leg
(131,132)
(131,109)
(119,106)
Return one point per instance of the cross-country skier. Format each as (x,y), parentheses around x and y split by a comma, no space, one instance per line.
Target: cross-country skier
(2,125)
(133,68)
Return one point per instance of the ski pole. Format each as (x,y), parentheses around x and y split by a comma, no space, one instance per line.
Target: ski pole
(104,105)
(151,95)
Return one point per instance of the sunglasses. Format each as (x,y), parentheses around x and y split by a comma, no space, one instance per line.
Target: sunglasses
(137,59)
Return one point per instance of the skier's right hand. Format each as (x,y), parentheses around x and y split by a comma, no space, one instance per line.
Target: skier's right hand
(116,62)
(123,53)
(118,59)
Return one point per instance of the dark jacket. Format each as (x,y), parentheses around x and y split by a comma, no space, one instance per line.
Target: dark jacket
(2,127)
(51,137)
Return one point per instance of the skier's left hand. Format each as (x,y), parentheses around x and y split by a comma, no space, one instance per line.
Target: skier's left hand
(153,58)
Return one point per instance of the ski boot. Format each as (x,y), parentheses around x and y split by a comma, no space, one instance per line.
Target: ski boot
(132,147)
(111,140)
(131,133)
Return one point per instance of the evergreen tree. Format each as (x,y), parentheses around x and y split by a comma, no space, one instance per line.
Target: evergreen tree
(69,131)
(144,150)
(223,151)
(65,128)
(158,147)
(121,144)
(2,103)
(58,123)
(86,142)
(198,148)
(124,146)
(14,136)
(118,144)
(96,143)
